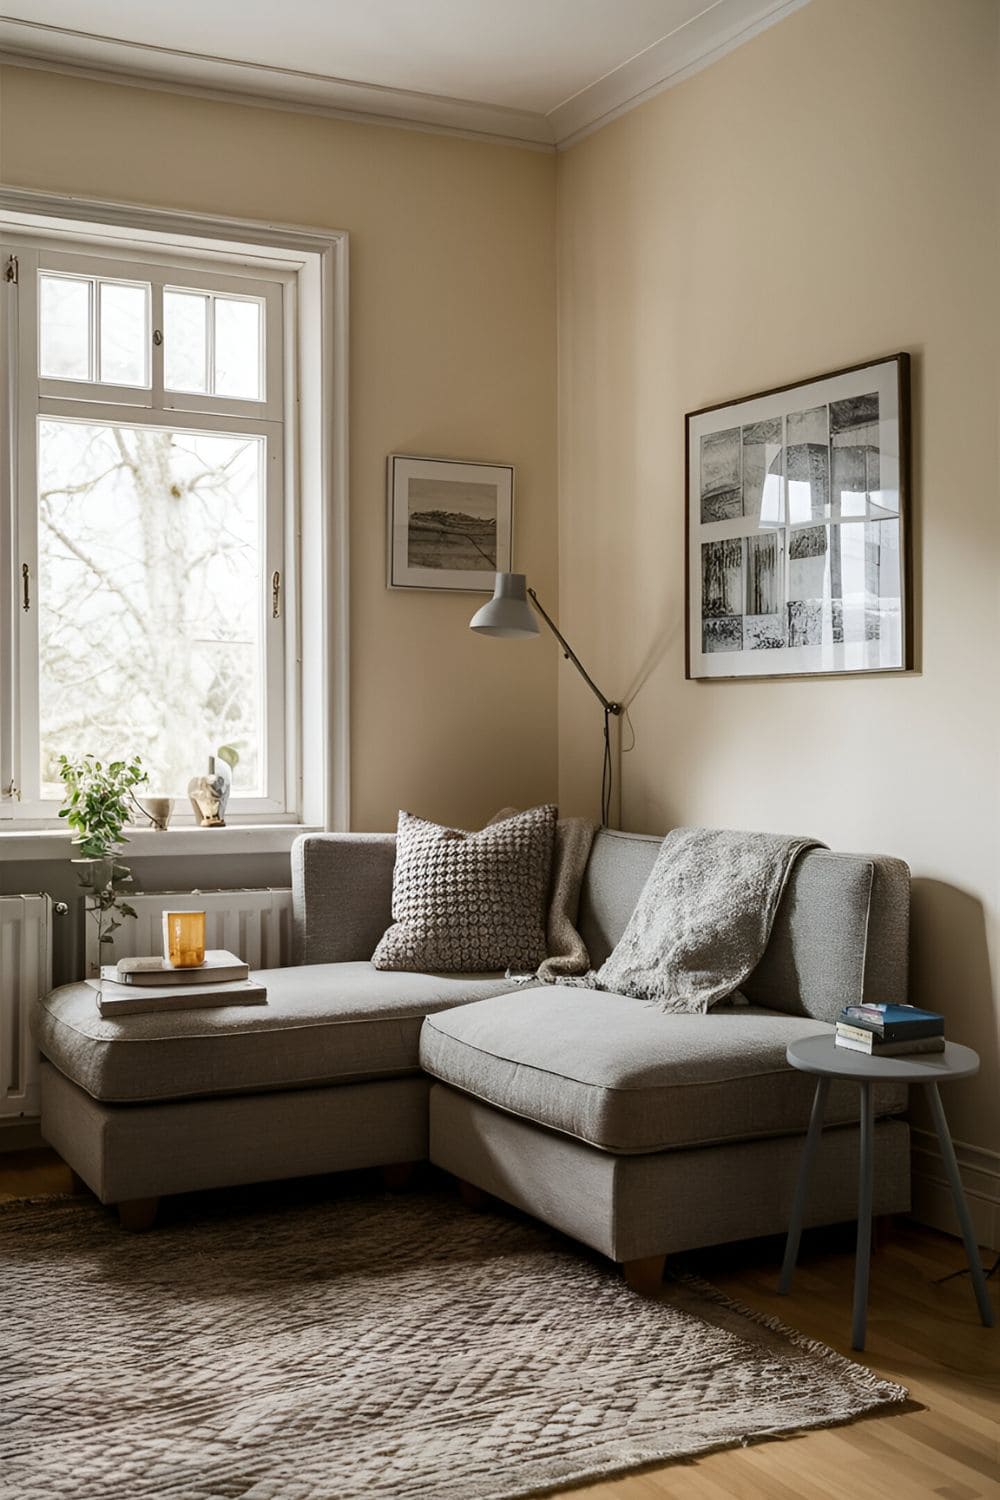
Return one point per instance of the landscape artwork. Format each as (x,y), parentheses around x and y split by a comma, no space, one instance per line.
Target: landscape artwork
(449,523)
(797,528)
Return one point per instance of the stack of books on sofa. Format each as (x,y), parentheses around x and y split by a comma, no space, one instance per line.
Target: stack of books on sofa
(137,986)
(890,1030)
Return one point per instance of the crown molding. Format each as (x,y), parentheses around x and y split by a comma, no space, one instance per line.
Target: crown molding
(721,27)
(110,60)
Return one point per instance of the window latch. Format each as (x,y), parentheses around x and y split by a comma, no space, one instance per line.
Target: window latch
(26,584)
(11,269)
(12,791)
(275,595)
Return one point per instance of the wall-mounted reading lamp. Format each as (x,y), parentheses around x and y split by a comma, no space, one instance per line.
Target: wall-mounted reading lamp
(508,614)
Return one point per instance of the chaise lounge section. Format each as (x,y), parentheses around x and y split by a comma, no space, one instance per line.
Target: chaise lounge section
(636,1132)
(643,1134)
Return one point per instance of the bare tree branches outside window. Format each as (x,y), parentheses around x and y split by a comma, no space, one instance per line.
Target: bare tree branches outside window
(150,545)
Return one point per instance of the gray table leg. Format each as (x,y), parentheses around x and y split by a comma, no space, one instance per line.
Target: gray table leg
(863,1253)
(802,1186)
(961,1207)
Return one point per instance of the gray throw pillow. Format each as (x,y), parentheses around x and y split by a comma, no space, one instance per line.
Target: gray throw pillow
(469,903)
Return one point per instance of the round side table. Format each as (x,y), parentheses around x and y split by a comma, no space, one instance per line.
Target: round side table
(820,1055)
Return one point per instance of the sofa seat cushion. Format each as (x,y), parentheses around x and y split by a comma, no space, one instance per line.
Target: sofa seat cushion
(619,1074)
(323,1023)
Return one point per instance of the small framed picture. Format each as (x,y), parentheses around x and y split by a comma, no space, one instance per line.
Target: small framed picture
(450,523)
(798,528)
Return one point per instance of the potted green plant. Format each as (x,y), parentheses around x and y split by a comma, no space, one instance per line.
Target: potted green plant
(99,802)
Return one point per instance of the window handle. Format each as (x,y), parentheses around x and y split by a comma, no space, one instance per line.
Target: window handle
(275,595)
(26,584)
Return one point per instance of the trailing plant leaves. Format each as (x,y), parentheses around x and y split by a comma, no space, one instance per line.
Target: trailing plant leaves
(97,807)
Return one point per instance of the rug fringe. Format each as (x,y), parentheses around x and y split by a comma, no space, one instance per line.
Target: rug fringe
(866,1377)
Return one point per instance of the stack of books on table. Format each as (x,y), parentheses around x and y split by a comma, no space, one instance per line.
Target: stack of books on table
(137,986)
(890,1030)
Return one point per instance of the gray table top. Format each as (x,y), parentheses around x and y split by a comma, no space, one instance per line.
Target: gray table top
(821,1055)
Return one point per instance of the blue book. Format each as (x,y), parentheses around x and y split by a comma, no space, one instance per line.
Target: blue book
(894,1022)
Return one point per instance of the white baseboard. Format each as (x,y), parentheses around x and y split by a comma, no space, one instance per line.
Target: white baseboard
(980,1173)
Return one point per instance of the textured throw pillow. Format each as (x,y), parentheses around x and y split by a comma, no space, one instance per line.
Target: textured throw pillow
(469,903)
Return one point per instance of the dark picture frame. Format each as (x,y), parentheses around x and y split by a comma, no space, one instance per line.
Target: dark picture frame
(450,523)
(797,532)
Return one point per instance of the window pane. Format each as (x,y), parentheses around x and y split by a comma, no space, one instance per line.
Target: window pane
(185,341)
(237,349)
(150,600)
(124,333)
(64,327)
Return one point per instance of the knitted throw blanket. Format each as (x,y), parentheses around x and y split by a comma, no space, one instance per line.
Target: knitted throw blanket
(566,952)
(703,919)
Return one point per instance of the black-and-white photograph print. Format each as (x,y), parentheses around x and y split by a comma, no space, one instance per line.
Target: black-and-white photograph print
(797,528)
(762,454)
(807,464)
(722,578)
(723,634)
(449,523)
(721,475)
(763,582)
(854,444)
(763,633)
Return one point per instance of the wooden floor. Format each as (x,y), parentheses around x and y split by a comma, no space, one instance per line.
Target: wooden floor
(923,1335)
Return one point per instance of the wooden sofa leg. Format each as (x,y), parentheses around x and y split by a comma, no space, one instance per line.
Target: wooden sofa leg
(138,1214)
(645,1276)
(397,1176)
(472,1196)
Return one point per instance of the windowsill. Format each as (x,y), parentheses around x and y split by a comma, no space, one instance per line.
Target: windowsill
(148,843)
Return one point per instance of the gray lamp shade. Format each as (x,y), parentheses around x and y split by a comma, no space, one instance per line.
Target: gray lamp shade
(508,613)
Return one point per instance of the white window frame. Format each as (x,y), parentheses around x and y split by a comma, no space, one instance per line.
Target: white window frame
(95,262)
(156,407)
(312,267)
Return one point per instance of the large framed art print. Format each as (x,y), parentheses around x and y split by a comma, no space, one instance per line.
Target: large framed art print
(798,528)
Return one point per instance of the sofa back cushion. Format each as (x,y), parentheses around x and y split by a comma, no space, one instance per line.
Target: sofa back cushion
(618,868)
(341,895)
(841,933)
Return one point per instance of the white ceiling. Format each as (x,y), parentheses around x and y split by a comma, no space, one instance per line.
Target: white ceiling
(537,71)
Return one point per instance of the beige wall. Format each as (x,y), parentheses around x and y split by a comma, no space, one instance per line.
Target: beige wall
(452,353)
(822,196)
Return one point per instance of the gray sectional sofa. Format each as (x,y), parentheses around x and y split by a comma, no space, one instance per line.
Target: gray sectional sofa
(636,1132)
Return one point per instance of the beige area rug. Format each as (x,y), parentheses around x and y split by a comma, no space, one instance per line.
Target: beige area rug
(369,1346)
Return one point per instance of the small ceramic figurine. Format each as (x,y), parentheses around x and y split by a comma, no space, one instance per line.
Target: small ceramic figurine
(209,794)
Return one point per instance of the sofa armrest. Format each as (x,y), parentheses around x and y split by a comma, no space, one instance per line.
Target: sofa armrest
(341,895)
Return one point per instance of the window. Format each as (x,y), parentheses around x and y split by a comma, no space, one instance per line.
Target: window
(151,524)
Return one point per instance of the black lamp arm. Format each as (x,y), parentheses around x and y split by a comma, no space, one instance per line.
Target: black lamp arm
(570,654)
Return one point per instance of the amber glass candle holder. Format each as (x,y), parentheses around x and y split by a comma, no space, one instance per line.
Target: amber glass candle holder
(184,938)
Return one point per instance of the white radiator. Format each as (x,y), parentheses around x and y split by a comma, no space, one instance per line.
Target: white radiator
(25,973)
(255,925)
